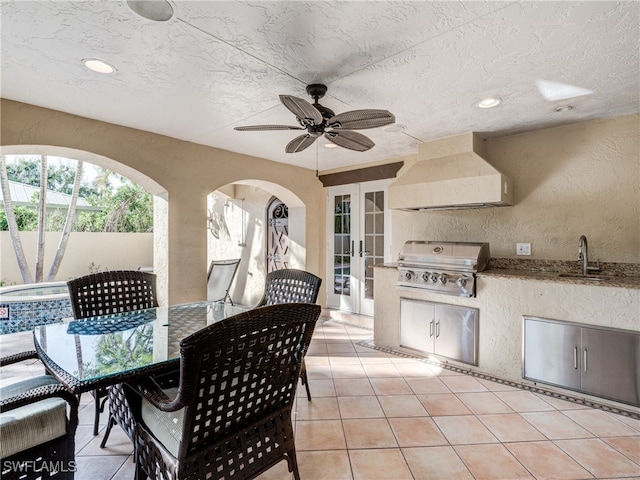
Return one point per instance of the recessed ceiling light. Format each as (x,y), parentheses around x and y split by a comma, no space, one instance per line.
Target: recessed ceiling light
(489,103)
(98,65)
(563,108)
(396,127)
(156,10)
(330,145)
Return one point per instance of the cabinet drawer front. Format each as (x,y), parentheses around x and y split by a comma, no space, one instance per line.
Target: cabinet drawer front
(417,325)
(551,353)
(611,364)
(456,333)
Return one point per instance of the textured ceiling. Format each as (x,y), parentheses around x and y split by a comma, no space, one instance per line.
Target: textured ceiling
(216,65)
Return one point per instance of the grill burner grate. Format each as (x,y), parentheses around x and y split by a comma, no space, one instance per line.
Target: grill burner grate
(443,267)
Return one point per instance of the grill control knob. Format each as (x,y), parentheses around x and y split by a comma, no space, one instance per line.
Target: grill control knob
(425,277)
(433,278)
(407,275)
(442,279)
(461,282)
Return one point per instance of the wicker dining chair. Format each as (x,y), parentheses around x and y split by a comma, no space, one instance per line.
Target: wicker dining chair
(106,293)
(291,285)
(38,436)
(226,412)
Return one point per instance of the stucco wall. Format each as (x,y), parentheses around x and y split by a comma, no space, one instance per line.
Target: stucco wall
(180,173)
(577,179)
(112,251)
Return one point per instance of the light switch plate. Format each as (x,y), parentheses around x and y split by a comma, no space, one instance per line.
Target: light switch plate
(523,248)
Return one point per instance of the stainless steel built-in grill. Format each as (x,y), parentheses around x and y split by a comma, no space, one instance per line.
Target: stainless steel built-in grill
(444,267)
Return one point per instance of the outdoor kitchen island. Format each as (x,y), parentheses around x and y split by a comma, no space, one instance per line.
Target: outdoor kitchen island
(503,298)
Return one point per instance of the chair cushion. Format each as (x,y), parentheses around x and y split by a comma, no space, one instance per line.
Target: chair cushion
(165,426)
(33,424)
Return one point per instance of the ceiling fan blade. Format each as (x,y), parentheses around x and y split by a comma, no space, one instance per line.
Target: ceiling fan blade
(303,110)
(351,140)
(361,119)
(254,128)
(299,143)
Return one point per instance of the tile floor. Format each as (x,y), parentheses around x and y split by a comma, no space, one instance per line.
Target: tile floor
(376,415)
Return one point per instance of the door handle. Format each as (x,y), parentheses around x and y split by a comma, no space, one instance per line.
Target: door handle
(585,359)
(575,358)
(353,253)
(431,328)
(437,328)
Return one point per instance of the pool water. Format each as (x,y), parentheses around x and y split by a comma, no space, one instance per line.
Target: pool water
(24,307)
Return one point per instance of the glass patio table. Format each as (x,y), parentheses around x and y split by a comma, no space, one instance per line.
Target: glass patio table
(101,351)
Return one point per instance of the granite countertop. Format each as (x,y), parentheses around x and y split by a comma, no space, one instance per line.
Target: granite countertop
(623,275)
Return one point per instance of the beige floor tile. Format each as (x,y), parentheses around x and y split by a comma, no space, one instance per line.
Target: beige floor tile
(546,461)
(320,408)
(439,404)
(390,386)
(353,387)
(316,359)
(347,371)
(379,464)
(459,384)
(484,403)
(319,372)
(417,432)
(600,459)
(402,406)
(415,369)
(342,347)
(324,465)
(600,423)
(632,422)
(427,385)
(491,462)
(380,370)
(360,407)
(127,471)
(319,388)
(510,427)
(368,358)
(99,467)
(555,425)
(560,404)
(368,433)
(521,401)
(496,386)
(436,463)
(118,444)
(629,446)
(319,435)
(317,348)
(464,429)
(344,359)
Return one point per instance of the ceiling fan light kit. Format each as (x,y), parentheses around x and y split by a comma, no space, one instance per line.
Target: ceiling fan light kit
(319,120)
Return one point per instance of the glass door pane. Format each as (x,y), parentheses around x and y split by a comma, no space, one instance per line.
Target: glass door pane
(342,245)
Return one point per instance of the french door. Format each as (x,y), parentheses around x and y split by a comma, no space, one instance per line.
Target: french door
(357,224)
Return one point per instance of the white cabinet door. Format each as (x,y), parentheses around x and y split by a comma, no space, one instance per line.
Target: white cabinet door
(357,231)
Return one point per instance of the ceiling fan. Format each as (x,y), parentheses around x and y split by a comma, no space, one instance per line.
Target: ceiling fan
(317,120)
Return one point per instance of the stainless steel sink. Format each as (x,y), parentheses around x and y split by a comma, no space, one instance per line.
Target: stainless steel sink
(579,276)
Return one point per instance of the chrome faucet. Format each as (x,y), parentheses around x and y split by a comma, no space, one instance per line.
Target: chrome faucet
(583,255)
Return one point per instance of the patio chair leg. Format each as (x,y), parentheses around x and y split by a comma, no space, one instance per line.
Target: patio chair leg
(305,380)
(110,423)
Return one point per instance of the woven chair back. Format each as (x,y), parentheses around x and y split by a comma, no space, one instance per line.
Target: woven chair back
(290,285)
(110,292)
(236,371)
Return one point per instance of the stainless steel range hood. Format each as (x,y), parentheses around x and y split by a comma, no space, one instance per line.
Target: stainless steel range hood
(450,174)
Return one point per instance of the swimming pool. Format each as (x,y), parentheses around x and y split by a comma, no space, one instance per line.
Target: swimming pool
(23,307)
